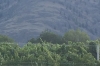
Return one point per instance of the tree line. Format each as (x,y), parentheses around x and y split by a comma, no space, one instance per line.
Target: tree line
(73,49)
(71,35)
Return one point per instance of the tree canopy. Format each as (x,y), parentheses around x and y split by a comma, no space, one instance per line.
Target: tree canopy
(71,35)
(47,36)
(76,36)
(4,38)
(51,51)
(73,54)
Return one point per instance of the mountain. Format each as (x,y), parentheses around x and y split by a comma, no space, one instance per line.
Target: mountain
(24,19)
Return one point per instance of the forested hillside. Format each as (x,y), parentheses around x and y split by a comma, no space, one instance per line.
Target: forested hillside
(28,18)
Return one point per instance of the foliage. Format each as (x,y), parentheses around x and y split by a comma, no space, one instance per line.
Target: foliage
(76,36)
(47,36)
(33,40)
(4,38)
(50,50)
(71,35)
(92,48)
(46,54)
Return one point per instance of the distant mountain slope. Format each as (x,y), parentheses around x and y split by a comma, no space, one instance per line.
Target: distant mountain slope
(24,19)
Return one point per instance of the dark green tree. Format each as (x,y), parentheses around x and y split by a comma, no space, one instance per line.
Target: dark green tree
(4,38)
(93,48)
(33,40)
(76,36)
(47,36)
(51,37)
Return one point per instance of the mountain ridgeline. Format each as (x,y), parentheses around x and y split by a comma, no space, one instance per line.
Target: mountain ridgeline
(28,18)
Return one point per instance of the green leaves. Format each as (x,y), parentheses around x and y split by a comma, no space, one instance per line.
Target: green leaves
(76,36)
(47,54)
(50,49)
(4,38)
(48,36)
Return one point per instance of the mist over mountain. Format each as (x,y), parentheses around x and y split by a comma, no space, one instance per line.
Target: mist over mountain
(24,19)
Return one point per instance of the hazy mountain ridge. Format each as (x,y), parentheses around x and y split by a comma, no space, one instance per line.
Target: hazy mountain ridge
(27,18)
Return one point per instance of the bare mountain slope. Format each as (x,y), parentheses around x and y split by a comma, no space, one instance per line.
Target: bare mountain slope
(24,19)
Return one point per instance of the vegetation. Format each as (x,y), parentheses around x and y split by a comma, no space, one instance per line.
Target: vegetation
(47,54)
(76,36)
(71,35)
(50,50)
(47,36)
(4,38)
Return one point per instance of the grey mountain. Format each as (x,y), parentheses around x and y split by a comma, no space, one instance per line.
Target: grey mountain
(24,19)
